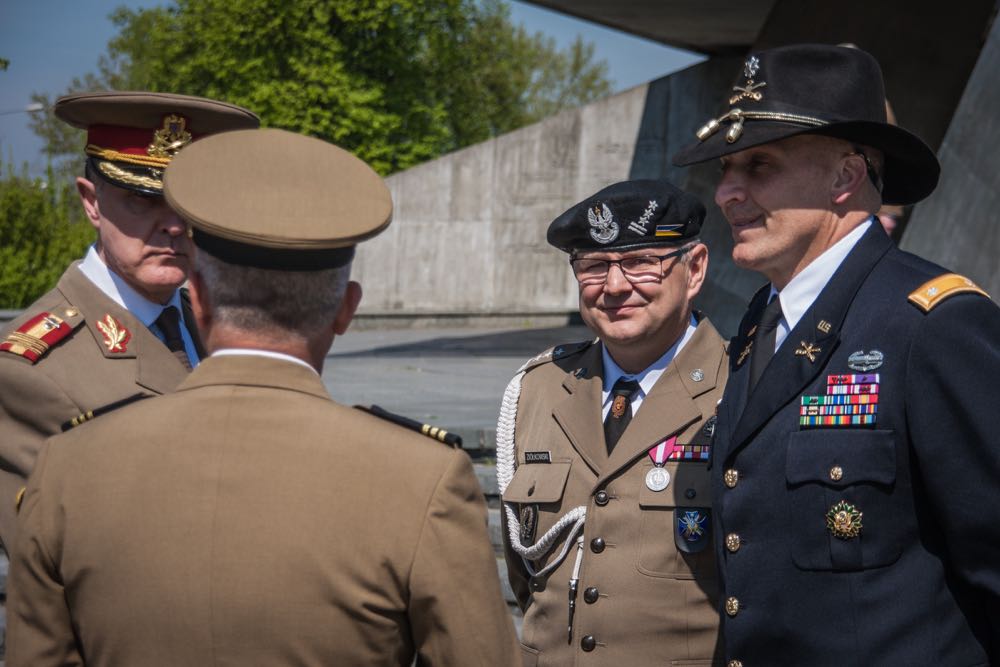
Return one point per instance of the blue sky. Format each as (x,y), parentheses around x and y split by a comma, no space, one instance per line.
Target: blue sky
(48,42)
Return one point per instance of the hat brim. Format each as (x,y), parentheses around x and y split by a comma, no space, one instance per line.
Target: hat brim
(144,180)
(910,172)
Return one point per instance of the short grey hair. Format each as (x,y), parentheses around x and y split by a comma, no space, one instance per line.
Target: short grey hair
(272,301)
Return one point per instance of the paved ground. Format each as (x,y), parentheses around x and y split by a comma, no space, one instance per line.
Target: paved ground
(453,378)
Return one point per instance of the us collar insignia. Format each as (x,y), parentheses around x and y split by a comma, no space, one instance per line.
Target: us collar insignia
(116,336)
(807,350)
(750,89)
(865,361)
(824,326)
(171,138)
(603,227)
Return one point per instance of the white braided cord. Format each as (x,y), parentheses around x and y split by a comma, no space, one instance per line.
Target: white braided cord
(506,465)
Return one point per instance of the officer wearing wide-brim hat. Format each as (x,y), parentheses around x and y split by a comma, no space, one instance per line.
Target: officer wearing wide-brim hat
(602,446)
(247,518)
(855,463)
(116,327)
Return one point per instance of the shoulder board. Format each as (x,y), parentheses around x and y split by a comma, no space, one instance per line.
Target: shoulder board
(33,339)
(933,292)
(103,410)
(433,432)
(554,353)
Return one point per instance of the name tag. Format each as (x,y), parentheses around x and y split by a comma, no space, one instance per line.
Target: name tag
(537,457)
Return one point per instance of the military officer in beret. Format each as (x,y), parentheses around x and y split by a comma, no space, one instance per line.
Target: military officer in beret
(116,327)
(856,462)
(247,518)
(602,446)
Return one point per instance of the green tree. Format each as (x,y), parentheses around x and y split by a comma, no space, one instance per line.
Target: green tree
(42,230)
(396,81)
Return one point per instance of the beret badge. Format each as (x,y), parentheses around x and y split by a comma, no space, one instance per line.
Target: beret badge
(603,227)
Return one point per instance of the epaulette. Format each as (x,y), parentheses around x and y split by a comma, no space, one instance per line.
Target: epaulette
(434,432)
(554,353)
(933,292)
(103,410)
(34,338)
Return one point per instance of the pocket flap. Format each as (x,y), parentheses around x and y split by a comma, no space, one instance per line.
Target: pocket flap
(690,486)
(841,457)
(538,483)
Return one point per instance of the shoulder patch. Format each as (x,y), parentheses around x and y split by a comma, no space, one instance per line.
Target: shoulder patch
(34,338)
(554,353)
(933,292)
(434,432)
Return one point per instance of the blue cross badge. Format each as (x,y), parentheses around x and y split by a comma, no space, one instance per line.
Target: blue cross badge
(693,529)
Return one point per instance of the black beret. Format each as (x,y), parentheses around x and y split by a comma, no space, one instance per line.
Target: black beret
(630,214)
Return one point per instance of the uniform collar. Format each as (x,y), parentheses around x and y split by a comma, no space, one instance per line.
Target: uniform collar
(236,351)
(649,375)
(801,291)
(119,291)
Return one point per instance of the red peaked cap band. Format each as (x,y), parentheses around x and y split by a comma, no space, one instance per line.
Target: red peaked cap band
(128,140)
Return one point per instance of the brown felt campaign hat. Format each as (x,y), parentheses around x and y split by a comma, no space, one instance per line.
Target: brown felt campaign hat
(835,91)
(274,199)
(133,136)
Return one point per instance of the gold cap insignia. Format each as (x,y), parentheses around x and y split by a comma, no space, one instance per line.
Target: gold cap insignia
(749,90)
(171,138)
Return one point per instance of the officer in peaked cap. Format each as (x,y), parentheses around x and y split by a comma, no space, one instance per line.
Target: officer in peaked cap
(116,326)
(603,446)
(247,518)
(856,464)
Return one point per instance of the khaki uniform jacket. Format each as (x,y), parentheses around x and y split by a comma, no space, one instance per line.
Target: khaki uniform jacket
(247,519)
(641,601)
(77,374)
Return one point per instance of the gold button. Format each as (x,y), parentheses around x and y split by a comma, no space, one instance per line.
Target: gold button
(733,542)
(731,477)
(836,473)
(72,312)
(734,663)
(732,606)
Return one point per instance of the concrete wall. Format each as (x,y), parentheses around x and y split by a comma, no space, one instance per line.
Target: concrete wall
(958,225)
(468,236)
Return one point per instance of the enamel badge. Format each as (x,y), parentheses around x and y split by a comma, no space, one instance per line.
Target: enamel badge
(693,528)
(116,336)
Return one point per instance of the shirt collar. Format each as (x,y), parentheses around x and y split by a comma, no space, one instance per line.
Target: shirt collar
(237,351)
(802,290)
(119,291)
(649,375)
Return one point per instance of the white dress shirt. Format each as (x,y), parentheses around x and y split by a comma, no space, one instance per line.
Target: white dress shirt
(245,351)
(646,377)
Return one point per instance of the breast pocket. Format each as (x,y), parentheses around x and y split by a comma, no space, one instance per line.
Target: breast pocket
(675,524)
(537,489)
(844,500)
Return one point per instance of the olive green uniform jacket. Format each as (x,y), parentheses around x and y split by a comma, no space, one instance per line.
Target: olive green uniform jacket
(78,373)
(640,600)
(247,519)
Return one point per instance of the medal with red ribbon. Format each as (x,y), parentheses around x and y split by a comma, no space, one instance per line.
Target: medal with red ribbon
(658,478)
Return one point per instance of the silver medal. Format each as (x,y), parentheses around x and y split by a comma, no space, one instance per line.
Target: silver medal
(657,479)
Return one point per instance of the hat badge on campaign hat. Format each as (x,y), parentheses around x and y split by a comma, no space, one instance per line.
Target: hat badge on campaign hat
(835,91)
(133,136)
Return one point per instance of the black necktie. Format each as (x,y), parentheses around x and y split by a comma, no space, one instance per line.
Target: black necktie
(763,346)
(169,323)
(620,413)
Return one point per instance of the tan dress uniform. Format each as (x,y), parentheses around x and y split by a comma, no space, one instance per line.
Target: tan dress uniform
(640,599)
(247,519)
(83,369)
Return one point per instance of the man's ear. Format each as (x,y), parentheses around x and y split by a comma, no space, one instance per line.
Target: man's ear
(697,269)
(88,197)
(200,305)
(849,179)
(348,306)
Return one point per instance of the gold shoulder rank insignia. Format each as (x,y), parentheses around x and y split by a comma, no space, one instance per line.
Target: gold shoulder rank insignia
(933,292)
(34,338)
(19,498)
(434,432)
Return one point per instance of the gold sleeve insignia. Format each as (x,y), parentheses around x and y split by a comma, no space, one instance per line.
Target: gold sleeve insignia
(933,292)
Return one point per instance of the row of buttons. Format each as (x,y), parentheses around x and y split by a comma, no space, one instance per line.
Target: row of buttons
(733,542)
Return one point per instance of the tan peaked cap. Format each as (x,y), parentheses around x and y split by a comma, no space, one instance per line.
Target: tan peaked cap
(146,110)
(275,199)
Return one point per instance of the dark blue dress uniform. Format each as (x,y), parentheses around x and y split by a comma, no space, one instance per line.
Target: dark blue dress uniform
(852,543)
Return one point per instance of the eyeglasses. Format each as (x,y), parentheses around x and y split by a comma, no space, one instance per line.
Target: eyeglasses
(872,172)
(641,269)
